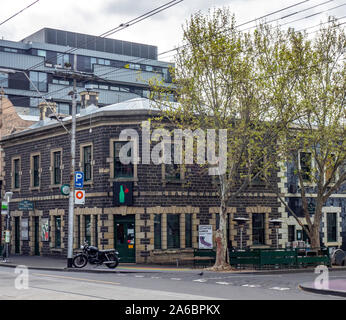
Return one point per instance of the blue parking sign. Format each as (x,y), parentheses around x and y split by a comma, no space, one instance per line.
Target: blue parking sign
(78,179)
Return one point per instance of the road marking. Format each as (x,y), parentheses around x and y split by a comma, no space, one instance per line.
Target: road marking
(251,285)
(200,280)
(139,276)
(225,283)
(175,279)
(72,278)
(278,288)
(155,277)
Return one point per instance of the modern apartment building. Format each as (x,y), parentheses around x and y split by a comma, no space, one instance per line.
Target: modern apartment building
(118,70)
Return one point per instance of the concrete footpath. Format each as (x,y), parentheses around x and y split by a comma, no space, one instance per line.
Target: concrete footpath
(336,287)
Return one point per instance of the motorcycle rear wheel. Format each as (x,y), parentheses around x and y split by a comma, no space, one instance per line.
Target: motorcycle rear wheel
(80,260)
(115,264)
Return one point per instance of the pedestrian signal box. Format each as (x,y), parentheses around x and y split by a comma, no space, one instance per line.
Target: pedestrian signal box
(122,193)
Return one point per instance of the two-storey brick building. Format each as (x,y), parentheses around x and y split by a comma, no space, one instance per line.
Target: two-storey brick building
(160,225)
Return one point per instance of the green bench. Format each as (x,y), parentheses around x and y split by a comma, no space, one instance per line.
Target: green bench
(283,258)
(204,256)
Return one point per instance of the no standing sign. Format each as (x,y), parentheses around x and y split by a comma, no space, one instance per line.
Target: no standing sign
(79,196)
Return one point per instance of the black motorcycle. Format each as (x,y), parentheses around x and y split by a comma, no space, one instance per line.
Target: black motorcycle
(93,255)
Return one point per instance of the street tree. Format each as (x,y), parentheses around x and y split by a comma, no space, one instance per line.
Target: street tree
(223,83)
(316,143)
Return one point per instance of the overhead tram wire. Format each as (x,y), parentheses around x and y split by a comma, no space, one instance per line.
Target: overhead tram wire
(303,18)
(136,60)
(143,59)
(259,18)
(292,14)
(18,12)
(117,29)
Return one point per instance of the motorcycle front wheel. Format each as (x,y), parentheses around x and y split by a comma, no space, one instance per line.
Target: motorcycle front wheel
(80,260)
(115,264)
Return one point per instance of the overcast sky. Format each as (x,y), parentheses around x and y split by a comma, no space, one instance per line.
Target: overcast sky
(163,29)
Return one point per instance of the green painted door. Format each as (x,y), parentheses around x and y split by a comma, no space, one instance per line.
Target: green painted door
(124,237)
(37,236)
(16,235)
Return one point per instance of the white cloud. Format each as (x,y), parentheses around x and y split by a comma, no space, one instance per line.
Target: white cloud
(163,30)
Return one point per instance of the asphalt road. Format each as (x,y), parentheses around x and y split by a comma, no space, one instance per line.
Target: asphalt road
(163,285)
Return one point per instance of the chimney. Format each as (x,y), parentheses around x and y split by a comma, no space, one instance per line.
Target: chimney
(88,98)
(46,109)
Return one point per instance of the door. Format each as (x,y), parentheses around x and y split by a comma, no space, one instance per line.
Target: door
(36,236)
(124,237)
(16,235)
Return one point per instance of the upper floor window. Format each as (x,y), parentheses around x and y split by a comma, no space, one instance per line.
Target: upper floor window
(39,79)
(63,59)
(11,50)
(42,53)
(35,170)
(122,170)
(16,173)
(57,167)
(87,162)
(305,164)
(3,80)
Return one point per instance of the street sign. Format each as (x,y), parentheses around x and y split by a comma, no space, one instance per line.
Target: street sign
(122,193)
(78,179)
(79,196)
(26,205)
(4,207)
(65,189)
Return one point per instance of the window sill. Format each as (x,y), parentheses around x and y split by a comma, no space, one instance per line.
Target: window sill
(259,246)
(123,179)
(15,190)
(55,186)
(34,188)
(173,181)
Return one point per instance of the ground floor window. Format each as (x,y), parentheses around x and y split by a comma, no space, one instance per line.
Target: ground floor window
(258,228)
(291,233)
(173,231)
(96,230)
(157,231)
(57,232)
(87,229)
(188,230)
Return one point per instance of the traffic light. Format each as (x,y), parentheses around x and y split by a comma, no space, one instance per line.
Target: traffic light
(122,193)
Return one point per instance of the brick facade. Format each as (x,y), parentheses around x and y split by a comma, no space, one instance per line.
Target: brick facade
(196,195)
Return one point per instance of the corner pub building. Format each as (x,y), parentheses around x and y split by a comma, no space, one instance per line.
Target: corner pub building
(159,225)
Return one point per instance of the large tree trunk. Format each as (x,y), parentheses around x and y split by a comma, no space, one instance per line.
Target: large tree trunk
(222,255)
(315,236)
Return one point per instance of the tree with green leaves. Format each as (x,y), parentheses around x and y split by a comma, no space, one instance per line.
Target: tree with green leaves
(232,82)
(316,143)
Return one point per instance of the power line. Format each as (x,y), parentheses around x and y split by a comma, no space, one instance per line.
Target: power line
(269,14)
(19,12)
(292,14)
(119,28)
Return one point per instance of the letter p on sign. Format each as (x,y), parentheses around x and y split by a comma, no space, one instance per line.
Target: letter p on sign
(79,196)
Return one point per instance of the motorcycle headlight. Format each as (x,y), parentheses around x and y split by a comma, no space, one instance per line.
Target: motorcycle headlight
(82,247)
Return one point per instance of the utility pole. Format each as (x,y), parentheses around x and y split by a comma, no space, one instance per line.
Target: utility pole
(72,171)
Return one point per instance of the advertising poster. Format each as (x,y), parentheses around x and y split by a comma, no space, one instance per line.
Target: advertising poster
(45,229)
(205,237)
(24,229)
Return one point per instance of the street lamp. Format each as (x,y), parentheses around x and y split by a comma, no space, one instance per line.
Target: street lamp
(277,223)
(8,197)
(241,222)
